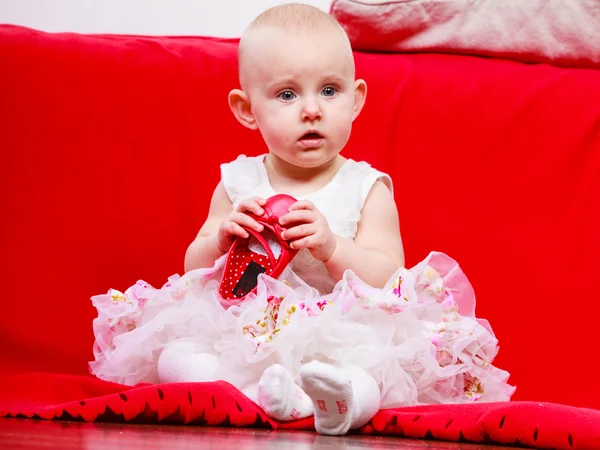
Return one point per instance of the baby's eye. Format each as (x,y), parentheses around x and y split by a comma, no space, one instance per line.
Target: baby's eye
(287,95)
(328,91)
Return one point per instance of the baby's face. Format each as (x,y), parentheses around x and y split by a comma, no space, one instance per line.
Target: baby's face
(302,94)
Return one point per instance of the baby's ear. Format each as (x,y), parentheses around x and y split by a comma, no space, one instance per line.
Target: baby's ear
(360,95)
(240,107)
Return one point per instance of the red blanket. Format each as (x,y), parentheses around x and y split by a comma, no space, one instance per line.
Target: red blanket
(71,397)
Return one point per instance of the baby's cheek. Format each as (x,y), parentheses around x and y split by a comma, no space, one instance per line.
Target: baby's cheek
(342,130)
(280,131)
(273,136)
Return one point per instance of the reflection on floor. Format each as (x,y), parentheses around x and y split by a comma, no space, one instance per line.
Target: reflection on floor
(36,434)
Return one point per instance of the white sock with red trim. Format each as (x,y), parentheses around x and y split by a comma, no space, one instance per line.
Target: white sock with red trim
(343,398)
(280,397)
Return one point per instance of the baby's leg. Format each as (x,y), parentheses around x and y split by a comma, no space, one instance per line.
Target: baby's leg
(183,361)
(280,397)
(343,398)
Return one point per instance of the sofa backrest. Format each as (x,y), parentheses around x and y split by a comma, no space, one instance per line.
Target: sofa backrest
(111,145)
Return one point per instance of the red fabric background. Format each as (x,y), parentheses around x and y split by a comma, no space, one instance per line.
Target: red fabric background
(71,397)
(110,149)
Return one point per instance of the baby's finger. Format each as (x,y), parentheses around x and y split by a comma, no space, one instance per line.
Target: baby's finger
(303,204)
(298,232)
(246,221)
(233,229)
(252,205)
(302,243)
(261,201)
(299,216)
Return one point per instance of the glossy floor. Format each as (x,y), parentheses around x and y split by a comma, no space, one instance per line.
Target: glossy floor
(40,434)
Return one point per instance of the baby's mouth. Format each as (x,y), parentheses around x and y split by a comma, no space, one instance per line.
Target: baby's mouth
(311,140)
(311,135)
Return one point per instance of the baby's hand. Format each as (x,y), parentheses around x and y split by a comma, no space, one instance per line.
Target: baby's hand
(307,228)
(232,225)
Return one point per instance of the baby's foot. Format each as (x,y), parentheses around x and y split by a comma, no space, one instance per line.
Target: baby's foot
(331,392)
(181,362)
(280,397)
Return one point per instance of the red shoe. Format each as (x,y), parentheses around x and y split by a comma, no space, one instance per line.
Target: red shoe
(243,264)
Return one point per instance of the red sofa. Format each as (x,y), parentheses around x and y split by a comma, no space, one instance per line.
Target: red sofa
(110,147)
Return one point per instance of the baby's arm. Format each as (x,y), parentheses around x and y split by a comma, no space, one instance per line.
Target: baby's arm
(376,252)
(221,226)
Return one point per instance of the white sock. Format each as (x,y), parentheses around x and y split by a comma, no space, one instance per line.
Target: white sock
(280,397)
(181,361)
(343,398)
(367,396)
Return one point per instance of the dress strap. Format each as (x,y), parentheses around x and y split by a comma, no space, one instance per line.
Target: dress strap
(241,177)
(357,181)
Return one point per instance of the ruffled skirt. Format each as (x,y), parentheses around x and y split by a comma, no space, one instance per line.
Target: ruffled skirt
(418,336)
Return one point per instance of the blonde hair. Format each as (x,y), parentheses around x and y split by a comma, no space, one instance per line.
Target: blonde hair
(292,18)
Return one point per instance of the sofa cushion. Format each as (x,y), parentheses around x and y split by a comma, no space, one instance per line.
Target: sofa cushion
(111,148)
(555,31)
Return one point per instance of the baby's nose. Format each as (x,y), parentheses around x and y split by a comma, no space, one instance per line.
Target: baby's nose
(311,111)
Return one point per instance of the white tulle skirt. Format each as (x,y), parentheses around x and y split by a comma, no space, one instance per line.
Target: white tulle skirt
(418,336)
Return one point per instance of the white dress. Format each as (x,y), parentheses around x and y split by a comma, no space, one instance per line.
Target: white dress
(418,336)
